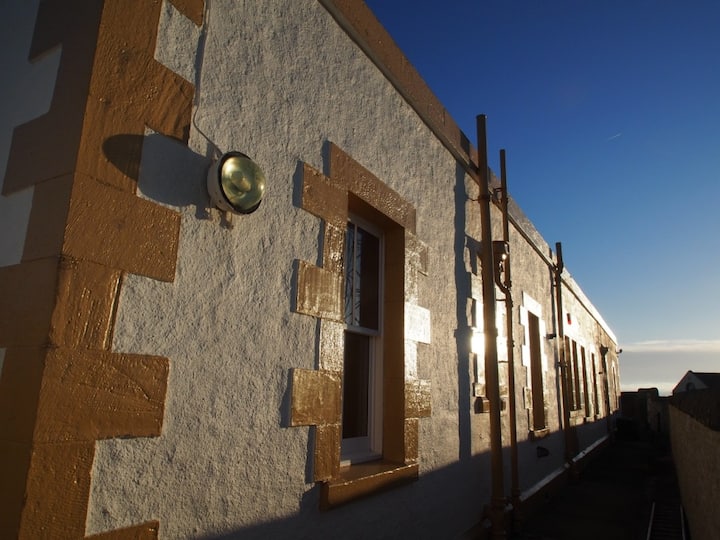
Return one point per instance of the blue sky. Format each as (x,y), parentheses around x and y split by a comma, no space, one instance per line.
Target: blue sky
(609,111)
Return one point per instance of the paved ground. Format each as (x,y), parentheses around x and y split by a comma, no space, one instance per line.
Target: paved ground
(613,500)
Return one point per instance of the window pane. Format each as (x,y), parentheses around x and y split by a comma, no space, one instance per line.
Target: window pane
(362,276)
(368,254)
(538,397)
(355,385)
(349,274)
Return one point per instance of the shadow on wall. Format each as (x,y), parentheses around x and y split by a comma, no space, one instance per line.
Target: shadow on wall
(463,332)
(427,508)
(165,169)
(448,497)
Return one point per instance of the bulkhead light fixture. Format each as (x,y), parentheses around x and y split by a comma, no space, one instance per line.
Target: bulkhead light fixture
(501,250)
(236,183)
(501,253)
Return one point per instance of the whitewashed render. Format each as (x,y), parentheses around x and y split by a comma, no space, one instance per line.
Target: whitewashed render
(280,80)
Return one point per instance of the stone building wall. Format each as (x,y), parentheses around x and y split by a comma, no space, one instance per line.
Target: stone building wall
(178,371)
(697,461)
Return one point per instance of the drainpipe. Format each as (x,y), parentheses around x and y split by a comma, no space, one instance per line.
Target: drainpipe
(564,366)
(492,378)
(606,390)
(514,471)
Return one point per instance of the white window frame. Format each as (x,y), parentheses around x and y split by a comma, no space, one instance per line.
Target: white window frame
(368,448)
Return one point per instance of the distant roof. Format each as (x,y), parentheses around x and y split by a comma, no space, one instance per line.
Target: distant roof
(711,380)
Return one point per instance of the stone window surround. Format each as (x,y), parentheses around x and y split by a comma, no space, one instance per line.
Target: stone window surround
(578,414)
(317,394)
(530,305)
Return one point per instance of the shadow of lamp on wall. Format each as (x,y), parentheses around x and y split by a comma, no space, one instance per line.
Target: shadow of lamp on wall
(234,182)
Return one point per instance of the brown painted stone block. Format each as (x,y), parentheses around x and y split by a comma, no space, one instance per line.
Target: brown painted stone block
(394,400)
(316,397)
(394,419)
(111,145)
(27,291)
(48,215)
(140,89)
(332,345)
(412,429)
(192,9)
(14,465)
(58,488)
(145,531)
(86,302)
(364,480)
(122,231)
(417,399)
(327,451)
(319,292)
(395,267)
(89,395)
(366,186)
(324,199)
(133,25)
(167,104)
(20,383)
(113,135)
(334,248)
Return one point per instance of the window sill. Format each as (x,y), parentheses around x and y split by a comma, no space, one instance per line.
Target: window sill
(577,417)
(536,434)
(365,479)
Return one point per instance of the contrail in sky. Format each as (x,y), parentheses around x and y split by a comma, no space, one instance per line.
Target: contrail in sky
(613,137)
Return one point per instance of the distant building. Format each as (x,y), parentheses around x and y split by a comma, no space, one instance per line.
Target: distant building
(697,381)
(172,370)
(642,412)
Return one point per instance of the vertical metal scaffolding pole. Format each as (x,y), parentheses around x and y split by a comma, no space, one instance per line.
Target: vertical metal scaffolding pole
(570,446)
(492,379)
(512,406)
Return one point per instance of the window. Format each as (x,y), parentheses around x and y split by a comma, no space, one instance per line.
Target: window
(596,388)
(535,362)
(572,374)
(362,368)
(585,386)
(364,397)
(569,374)
(538,397)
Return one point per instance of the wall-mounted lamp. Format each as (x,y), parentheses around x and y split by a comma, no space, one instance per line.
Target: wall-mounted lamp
(236,183)
(603,350)
(501,253)
(501,250)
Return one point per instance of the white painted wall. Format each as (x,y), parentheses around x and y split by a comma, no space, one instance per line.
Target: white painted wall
(276,80)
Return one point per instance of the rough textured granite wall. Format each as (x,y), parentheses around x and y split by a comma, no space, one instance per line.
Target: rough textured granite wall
(697,461)
(278,80)
(275,80)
